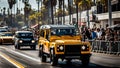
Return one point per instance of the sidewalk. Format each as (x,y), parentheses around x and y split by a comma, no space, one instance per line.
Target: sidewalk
(105,54)
(108,60)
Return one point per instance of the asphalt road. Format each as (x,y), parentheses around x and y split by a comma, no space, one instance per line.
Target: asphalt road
(5,64)
(27,58)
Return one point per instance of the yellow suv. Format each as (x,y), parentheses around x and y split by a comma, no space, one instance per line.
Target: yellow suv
(62,41)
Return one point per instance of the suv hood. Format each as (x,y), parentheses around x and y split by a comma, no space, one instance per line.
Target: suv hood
(67,37)
(72,42)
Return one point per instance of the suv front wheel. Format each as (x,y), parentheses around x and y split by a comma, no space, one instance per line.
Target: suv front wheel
(85,60)
(53,58)
(41,54)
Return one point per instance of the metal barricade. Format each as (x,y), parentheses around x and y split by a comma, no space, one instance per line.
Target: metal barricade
(107,47)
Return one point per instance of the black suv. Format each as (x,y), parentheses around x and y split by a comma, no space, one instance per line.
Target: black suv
(24,38)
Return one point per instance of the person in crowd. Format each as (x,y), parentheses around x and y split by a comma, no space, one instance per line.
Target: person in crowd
(111,38)
(103,34)
(93,34)
(87,33)
(98,32)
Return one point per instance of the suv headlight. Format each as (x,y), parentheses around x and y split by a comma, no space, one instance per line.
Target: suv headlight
(83,47)
(20,41)
(60,48)
(33,41)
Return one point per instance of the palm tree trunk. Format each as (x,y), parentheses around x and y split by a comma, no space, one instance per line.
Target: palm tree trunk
(63,12)
(88,22)
(69,11)
(11,17)
(77,15)
(52,12)
(41,10)
(80,18)
(58,13)
(60,22)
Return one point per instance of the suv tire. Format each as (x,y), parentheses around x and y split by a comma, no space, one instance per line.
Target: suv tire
(53,58)
(85,60)
(41,54)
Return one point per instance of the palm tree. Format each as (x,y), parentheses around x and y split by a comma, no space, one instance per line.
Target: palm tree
(53,4)
(4,9)
(76,3)
(85,5)
(60,8)
(44,11)
(70,7)
(11,3)
(46,4)
(0,8)
(63,12)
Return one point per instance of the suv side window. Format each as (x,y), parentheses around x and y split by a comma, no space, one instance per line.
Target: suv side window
(42,33)
(47,34)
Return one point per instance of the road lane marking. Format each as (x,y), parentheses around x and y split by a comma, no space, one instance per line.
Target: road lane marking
(15,63)
(26,56)
(21,54)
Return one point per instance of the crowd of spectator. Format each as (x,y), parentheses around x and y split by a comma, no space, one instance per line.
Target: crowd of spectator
(101,34)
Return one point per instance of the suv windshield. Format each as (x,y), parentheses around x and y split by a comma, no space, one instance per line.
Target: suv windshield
(7,34)
(25,35)
(63,32)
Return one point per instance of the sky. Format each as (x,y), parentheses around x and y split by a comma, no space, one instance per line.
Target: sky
(4,3)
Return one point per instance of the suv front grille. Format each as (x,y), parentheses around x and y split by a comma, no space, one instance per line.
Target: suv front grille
(72,49)
(26,41)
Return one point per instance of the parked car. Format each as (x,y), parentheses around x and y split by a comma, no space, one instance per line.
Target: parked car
(24,38)
(6,38)
(3,30)
(62,41)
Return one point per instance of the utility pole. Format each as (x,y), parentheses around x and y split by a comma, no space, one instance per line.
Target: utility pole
(110,13)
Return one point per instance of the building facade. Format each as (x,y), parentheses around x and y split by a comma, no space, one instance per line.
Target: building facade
(98,15)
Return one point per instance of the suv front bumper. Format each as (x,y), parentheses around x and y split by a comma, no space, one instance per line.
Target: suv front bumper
(27,44)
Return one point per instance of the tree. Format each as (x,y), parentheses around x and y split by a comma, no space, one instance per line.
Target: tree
(27,10)
(76,3)
(11,3)
(53,4)
(85,5)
